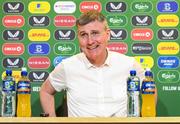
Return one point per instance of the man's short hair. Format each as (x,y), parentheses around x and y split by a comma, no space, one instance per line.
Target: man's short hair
(91,16)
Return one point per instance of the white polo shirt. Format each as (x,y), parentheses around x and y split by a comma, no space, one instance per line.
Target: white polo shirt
(95,91)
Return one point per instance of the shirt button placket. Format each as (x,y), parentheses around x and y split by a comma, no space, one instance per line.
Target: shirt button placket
(101,90)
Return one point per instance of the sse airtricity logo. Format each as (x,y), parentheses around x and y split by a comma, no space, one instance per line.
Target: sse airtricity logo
(64,7)
(142,48)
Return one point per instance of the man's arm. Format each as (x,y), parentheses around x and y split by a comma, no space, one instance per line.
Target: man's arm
(47,98)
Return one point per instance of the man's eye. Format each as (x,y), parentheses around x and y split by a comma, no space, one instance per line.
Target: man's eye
(95,33)
(83,35)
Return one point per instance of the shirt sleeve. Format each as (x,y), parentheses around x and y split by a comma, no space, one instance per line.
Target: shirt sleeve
(57,78)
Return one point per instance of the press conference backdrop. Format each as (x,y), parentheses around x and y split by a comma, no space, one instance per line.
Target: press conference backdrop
(39,34)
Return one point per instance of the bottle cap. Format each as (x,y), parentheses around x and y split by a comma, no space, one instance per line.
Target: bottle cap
(24,71)
(8,72)
(148,72)
(132,72)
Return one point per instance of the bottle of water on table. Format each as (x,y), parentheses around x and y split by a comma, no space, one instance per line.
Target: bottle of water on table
(133,90)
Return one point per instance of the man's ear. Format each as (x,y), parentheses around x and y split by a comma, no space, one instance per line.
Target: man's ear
(108,34)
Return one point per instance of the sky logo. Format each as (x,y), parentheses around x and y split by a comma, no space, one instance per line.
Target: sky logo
(167,6)
(58,60)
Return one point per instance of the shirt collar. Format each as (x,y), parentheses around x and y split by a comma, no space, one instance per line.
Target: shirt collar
(89,65)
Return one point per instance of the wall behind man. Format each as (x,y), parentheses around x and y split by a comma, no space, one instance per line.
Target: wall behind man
(39,34)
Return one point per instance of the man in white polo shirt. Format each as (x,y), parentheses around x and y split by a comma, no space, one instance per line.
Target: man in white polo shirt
(95,79)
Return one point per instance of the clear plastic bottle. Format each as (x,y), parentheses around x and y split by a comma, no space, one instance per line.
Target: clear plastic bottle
(133,89)
(148,96)
(24,95)
(8,107)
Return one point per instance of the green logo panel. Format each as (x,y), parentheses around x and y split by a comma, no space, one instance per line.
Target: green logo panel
(65,48)
(141,6)
(116,20)
(168,76)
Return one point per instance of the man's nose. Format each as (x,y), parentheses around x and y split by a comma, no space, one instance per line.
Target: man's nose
(90,39)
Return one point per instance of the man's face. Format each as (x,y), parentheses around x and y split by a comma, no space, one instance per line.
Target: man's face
(93,38)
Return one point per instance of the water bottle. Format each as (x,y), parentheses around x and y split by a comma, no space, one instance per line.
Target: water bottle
(148,95)
(133,89)
(8,105)
(24,95)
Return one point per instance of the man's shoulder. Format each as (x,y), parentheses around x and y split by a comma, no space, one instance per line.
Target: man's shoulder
(120,56)
(73,59)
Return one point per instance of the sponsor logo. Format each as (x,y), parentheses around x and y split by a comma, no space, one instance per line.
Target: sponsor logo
(118,34)
(38,76)
(13,35)
(168,62)
(13,62)
(168,48)
(64,48)
(142,34)
(167,6)
(116,7)
(39,62)
(15,74)
(40,7)
(142,48)
(39,48)
(64,7)
(64,34)
(168,34)
(167,20)
(142,6)
(168,76)
(58,60)
(90,5)
(118,47)
(39,21)
(116,20)
(13,21)
(141,20)
(13,48)
(39,34)
(13,7)
(64,21)
(36,88)
(145,61)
